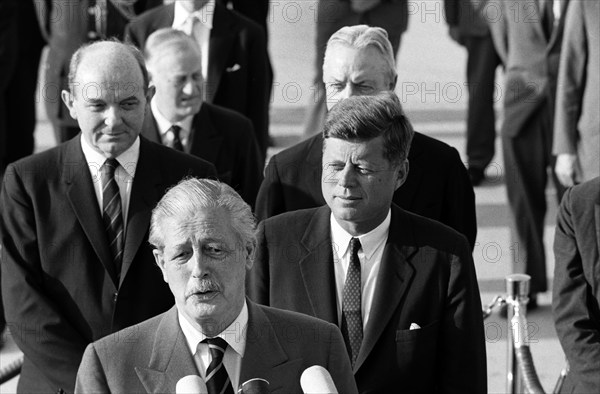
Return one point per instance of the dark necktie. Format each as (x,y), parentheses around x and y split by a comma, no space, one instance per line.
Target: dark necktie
(352,328)
(111,212)
(217,379)
(175,140)
(548,17)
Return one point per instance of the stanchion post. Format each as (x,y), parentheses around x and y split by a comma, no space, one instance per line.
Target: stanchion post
(517,291)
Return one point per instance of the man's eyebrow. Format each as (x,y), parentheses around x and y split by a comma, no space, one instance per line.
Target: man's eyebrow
(130,98)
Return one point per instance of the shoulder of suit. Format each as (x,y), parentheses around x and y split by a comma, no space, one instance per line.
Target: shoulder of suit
(433,147)
(221,114)
(135,335)
(285,319)
(298,153)
(173,158)
(151,14)
(292,219)
(43,165)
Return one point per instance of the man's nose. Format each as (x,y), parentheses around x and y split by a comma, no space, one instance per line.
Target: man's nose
(113,116)
(199,265)
(347,176)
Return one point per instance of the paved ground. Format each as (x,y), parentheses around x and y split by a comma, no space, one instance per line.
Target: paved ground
(432,87)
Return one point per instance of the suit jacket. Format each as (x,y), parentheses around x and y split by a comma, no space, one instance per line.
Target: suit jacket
(427,277)
(234,41)
(577,119)
(58,280)
(576,292)
(530,59)
(437,186)
(470,16)
(152,356)
(224,138)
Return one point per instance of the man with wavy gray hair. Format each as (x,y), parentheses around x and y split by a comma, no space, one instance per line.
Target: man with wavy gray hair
(204,240)
(401,287)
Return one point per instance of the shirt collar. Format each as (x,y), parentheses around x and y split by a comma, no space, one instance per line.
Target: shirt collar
(163,123)
(234,334)
(205,14)
(369,241)
(128,159)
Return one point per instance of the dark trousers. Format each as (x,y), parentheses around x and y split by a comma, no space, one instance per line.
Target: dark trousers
(527,158)
(482,62)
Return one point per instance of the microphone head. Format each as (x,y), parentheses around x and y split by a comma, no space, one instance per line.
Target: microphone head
(191,384)
(254,386)
(317,380)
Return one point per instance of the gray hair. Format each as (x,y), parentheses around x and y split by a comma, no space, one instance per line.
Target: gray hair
(193,194)
(362,36)
(81,51)
(168,38)
(363,118)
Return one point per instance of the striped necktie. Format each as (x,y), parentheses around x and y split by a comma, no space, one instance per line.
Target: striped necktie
(111,212)
(217,379)
(352,330)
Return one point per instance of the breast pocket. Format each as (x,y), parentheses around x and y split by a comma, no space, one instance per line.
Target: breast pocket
(416,352)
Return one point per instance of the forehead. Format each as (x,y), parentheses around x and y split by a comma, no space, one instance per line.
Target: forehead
(177,59)
(211,224)
(367,150)
(342,60)
(107,75)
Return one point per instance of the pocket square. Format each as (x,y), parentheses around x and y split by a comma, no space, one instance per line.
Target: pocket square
(414,326)
(233,68)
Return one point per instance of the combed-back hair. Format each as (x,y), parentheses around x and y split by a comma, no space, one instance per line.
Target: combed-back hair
(81,51)
(362,36)
(362,118)
(190,195)
(168,38)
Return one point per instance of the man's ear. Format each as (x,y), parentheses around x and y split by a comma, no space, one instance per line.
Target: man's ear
(67,98)
(160,261)
(402,173)
(250,255)
(150,93)
(393,84)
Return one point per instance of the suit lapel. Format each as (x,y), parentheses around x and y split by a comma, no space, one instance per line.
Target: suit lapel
(407,192)
(144,197)
(314,158)
(205,140)
(264,356)
(170,360)
(222,37)
(81,195)
(394,279)
(597,217)
(556,37)
(163,19)
(150,128)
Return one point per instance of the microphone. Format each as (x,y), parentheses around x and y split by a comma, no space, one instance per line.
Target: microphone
(317,380)
(254,386)
(191,384)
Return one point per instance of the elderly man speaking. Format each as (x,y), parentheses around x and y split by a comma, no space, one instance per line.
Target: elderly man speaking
(203,234)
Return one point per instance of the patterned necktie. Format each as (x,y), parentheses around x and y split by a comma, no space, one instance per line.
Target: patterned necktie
(111,212)
(352,329)
(217,379)
(175,140)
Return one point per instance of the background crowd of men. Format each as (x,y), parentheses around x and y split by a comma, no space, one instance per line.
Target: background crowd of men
(365,229)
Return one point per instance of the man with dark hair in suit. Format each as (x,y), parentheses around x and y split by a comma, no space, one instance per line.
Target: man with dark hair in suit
(576,290)
(359,61)
(527,35)
(401,287)
(180,118)
(204,239)
(73,220)
(234,55)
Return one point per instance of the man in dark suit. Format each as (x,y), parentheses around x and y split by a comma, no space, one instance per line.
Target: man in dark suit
(437,186)
(205,241)
(527,35)
(401,287)
(234,54)
(576,291)
(179,117)
(332,15)
(69,24)
(577,119)
(467,21)
(73,220)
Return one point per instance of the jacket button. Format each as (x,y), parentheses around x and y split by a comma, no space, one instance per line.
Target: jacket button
(115,296)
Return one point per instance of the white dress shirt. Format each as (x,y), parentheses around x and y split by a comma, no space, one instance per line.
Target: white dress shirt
(370,254)
(164,125)
(234,335)
(124,174)
(183,20)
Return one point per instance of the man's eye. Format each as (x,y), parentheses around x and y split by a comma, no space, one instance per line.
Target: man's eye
(129,105)
(337,86)
(364,171)
(335,167)
(214,250)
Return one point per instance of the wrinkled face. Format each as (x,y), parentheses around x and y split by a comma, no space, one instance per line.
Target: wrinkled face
(177,76)
(108,101)
(350,72)
(359,182)
(205,264)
